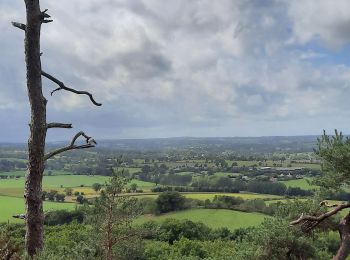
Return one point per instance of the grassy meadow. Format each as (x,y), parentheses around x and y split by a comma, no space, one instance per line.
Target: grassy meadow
(301,183)
(214,218)
(10,206)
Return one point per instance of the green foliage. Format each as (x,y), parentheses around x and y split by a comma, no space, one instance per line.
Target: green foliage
(96,186)
(81,200)
(170,201)
(291,209)
(112,218)
(60,217)
(334,152)
(189,250)
(172,230)
(73,241)
(267,187)
(10,249)
(148,205)
(133,187)
(274,239)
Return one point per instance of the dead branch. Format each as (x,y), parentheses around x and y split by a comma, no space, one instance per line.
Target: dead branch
(324,203)
(310,222)
(19,25)
(55,80)
(44,17)
(59,125)
(72,146)
(62,86)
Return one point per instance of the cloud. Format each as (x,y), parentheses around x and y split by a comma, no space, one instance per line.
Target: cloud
(183,67)
(325,20)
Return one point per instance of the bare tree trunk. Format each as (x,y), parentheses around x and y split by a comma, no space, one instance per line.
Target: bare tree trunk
(344,231)
(36,142)
(38,125)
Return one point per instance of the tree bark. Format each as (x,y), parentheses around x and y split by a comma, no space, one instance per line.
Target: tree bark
(36,141)
(344,231)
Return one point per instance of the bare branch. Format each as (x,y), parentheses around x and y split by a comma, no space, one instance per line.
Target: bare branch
(52,78)
(59,125)
(77,136)
(19,25)
(72,145)
(310,222)
(62,86)
(324,203)
(44,17)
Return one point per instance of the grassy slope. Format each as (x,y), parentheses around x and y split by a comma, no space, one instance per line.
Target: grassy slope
(214,218)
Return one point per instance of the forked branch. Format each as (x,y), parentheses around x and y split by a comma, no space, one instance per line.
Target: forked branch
(310,222)
(90,142)
(52,78)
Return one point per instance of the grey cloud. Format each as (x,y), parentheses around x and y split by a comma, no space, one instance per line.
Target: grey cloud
(323,20)
(167,68)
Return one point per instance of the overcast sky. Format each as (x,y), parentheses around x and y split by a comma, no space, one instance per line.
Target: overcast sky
(167,68)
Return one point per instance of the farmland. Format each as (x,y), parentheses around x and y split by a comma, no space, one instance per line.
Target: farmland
(227,218)
(14,187)
(197,175)
(10,206)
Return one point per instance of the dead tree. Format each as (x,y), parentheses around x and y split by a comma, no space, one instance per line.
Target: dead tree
(38,125)
(308,223)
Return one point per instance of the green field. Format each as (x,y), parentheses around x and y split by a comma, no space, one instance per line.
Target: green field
(143,185)
(214,218)
(10,206)
(301,183)
(133,170)
(57,181)
(14,187)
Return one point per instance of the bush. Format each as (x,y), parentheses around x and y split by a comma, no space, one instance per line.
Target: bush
(170,201)
(59,217)
(161,189)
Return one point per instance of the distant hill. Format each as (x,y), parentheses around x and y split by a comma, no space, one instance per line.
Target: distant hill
(214,144)
(217,144)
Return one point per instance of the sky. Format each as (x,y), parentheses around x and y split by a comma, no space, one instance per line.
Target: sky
(166,68)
